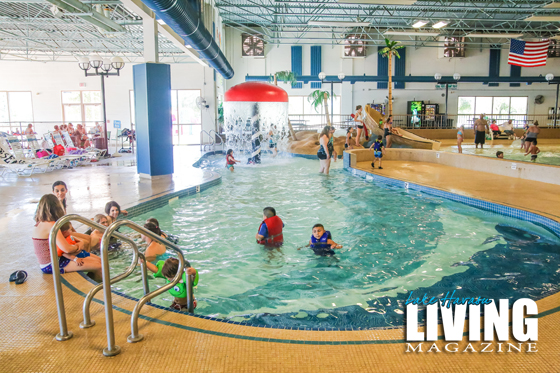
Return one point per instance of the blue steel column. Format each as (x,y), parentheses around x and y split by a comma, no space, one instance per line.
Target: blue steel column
(152,102)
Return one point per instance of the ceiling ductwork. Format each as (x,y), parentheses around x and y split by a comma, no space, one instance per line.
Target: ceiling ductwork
(75,7)
(183,18)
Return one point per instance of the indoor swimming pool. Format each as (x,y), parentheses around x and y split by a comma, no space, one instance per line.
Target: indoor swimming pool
(395,241)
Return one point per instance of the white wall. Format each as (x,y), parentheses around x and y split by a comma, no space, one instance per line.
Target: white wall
(420,62)
(46,81)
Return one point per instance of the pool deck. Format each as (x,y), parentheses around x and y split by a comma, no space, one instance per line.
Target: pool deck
(177,342)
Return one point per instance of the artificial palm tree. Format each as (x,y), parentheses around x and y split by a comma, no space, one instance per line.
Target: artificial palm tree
(391,49)
(286,76)
(318,98)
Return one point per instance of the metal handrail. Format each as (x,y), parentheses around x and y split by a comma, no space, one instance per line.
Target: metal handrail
(220,137)
(135,336)
(201,138)
(65,334)
(88,323)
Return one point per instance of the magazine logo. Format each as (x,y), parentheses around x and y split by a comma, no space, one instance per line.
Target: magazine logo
(496,319)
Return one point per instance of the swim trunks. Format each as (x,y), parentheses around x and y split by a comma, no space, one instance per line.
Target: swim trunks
(533,157)
(62,262)
(480,137)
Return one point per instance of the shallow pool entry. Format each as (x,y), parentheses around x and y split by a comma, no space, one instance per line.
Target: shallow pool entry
(395,241)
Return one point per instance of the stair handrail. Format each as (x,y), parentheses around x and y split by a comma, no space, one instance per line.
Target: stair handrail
(202,138)
(65,334)
(88,322)
(135,336)
(219,136)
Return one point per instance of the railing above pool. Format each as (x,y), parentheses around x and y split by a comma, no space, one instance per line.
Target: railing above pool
(113,349)
(65,334)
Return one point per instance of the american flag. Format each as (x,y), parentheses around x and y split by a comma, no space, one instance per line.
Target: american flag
(528,53)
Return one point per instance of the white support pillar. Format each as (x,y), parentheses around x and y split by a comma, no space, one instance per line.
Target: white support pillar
(151,53)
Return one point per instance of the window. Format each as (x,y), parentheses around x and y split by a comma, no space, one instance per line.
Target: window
(301,111)
(500,109)
(82,107)
(15,109)
(186,116)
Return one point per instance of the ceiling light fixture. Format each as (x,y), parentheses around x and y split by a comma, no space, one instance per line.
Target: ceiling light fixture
(440,24)
(419,24)
(411,33)
(338,24)
(482,35)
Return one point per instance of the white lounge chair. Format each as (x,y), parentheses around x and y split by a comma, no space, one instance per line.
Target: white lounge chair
(14,160)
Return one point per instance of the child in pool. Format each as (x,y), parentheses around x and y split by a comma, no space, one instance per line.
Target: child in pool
(230,161)
(270,230)
(154,248)
(77,256)
(113,210)
(168,269)
(321,241)
(349,134)
(169,237)
(378,151)
(533,150)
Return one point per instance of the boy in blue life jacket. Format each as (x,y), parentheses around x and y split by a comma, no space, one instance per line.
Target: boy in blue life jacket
(168,269)
(321,241)
(378,151)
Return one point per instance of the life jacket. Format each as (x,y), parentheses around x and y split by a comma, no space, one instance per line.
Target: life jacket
(229,160)
(274,226)
(180,288)
(377,145)
(321,243)
(70,241)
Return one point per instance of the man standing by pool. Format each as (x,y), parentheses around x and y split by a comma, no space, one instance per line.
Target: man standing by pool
(480,129)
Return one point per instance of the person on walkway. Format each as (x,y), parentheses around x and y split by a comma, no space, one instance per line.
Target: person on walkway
(359,119)
(480,129)
(495,129)
(323,154)
(388,131)
(531,136)
(508,129)
(460,132)
(29,130)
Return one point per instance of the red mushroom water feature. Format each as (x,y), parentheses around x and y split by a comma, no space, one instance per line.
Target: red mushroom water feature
(252,109)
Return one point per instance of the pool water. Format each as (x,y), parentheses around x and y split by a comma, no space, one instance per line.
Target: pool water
(550,152)
(395,241)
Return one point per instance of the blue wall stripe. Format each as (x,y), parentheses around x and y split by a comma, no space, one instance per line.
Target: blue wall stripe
(400,68)
(315,64)
(382,68)
(297,58)
(494,70)
(514,71)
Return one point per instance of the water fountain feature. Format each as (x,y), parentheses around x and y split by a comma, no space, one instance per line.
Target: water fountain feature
(251,110)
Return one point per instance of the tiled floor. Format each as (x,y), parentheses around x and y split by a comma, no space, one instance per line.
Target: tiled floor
(176,342)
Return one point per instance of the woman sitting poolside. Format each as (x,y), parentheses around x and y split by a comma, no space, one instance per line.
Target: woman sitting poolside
(49,210)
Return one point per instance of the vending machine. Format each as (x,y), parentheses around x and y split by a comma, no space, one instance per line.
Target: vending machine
(415,111)
(431,110)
